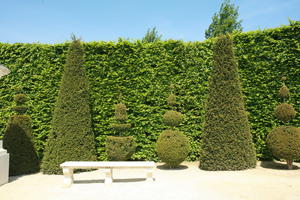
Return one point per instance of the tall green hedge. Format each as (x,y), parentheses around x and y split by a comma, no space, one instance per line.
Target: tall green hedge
(143,72)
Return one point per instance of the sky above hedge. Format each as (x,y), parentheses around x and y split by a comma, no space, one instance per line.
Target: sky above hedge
(53,21)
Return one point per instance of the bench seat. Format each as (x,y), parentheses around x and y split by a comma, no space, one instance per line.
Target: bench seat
(108,167)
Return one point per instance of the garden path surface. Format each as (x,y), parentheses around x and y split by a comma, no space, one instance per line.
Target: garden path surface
(269,181)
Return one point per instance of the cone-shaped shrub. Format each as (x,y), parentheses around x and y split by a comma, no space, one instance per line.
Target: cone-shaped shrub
(120,148)
(18,141)
(172,145)
(71,137)
(227,141)
(284,141)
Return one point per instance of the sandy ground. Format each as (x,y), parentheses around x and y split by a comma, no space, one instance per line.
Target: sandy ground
(269,181)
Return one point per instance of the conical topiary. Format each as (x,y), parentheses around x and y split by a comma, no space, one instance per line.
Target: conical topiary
(172,145)
(284,141)
(227,141)
(18,141)
(71,137)
(120,147)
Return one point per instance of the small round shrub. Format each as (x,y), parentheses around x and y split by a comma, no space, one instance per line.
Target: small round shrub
(120,112)
(285,112)
(120,127)
(120,148)
(284,142)
(20,99)
(172,118)
(284,92)
(172,147)
(172,100)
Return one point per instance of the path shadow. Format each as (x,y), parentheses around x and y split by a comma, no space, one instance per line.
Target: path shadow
(166,167)
(126,180)
(276,165)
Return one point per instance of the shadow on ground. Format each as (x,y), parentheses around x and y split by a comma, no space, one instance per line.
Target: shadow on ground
(276,165)
(127,180)
(166,167)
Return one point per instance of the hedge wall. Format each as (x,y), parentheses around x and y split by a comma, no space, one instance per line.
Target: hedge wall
(142,72)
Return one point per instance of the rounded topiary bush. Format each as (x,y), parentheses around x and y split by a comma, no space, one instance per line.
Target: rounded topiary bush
(284,92)
(285,112)
(284,142)
(172,147)
(172,118)
(172,100)
(120,148)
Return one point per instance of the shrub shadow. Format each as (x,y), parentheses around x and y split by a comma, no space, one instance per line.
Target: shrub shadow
(166,167)
(276,165)
(127,180)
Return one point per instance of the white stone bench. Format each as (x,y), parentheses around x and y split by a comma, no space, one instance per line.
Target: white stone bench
(108,166)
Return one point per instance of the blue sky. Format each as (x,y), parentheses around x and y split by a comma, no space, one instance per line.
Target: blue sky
(53,21)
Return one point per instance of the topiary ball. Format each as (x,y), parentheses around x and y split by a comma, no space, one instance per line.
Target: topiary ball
(120,148)
(285,112)
(172,118)
(284,142)
(20,99)
(284,92)
(120,112)
(172,147)
(172,100)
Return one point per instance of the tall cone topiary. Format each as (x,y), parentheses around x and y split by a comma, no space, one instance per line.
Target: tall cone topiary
(172,145)
(284,141)
(71,137)
(120,147)
(227,141)
(18,141)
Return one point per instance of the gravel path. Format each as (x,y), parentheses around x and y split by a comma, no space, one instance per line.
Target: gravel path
(270,182)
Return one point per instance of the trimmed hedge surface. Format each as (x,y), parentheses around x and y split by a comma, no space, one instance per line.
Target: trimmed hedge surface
(142,72)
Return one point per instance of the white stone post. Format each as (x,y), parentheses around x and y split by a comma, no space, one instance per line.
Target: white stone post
(4,165)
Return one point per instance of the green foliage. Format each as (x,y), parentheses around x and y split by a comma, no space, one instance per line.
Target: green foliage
(151,36)
(120,148)
(18,142)
(227,142)
(285,112)
(172,118)
(71,137)
(284,142)
(172,147)
(226,21)
(143,71)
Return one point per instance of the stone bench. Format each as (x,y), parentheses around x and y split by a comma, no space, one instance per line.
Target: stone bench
(108,167)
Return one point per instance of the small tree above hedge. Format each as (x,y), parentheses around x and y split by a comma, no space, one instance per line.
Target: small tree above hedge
(227,141)
(71,137)
(18,141)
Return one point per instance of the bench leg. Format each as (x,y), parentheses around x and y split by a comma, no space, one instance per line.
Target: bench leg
(149,175)
(68,177)
(108,176)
